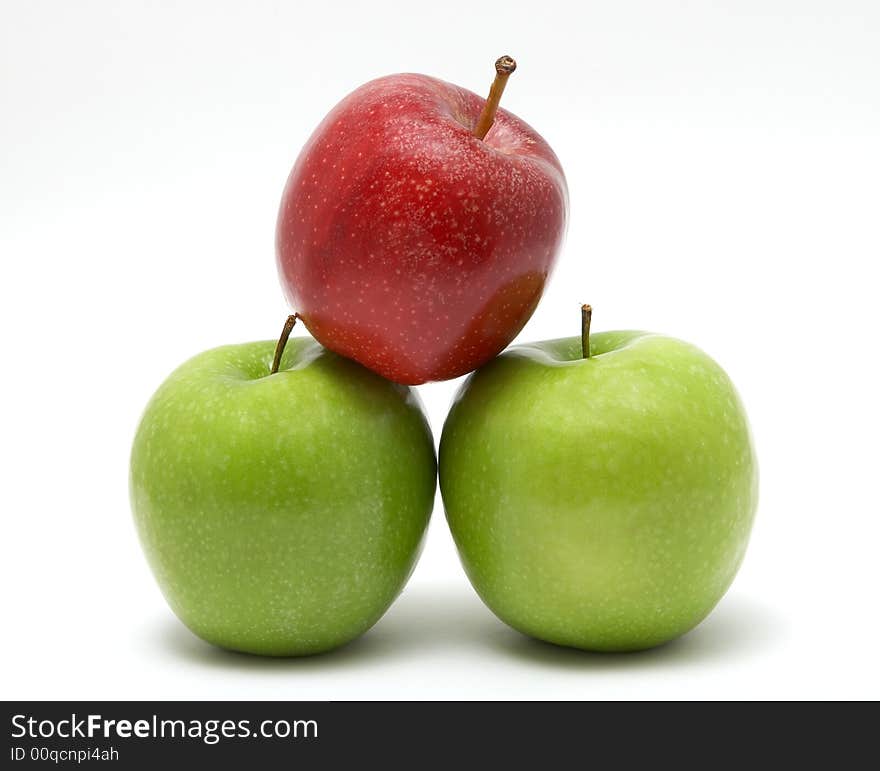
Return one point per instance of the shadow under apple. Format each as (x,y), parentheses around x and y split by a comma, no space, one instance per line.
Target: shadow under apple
(734,629)
(431,619)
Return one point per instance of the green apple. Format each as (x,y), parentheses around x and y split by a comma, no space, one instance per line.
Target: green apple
(602,503)
(281,512)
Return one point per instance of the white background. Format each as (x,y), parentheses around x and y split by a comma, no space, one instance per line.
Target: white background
(724,167)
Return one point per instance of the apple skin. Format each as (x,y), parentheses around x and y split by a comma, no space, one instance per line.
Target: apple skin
(600,503)
(281,514)
(411,246)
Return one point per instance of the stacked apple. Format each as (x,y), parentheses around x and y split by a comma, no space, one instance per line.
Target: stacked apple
(600,489)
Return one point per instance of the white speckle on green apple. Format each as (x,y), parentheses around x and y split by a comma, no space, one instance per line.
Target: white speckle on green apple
(281,513)
(600,502)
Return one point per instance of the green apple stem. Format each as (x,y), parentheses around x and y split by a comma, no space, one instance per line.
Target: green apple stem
(282,341)
(586,317)
(503,68)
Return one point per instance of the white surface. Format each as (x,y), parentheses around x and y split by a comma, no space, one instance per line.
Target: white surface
(723,163)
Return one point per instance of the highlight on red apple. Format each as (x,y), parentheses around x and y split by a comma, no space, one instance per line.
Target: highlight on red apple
(419,225)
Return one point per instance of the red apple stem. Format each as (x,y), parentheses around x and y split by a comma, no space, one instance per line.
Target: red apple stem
(586,317)
(282,341)
(503,68)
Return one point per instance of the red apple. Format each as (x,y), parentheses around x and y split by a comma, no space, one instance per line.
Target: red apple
(410,244)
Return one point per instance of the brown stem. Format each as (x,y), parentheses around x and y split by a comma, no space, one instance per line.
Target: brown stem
(586,317)
(503,67)
(282,341)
